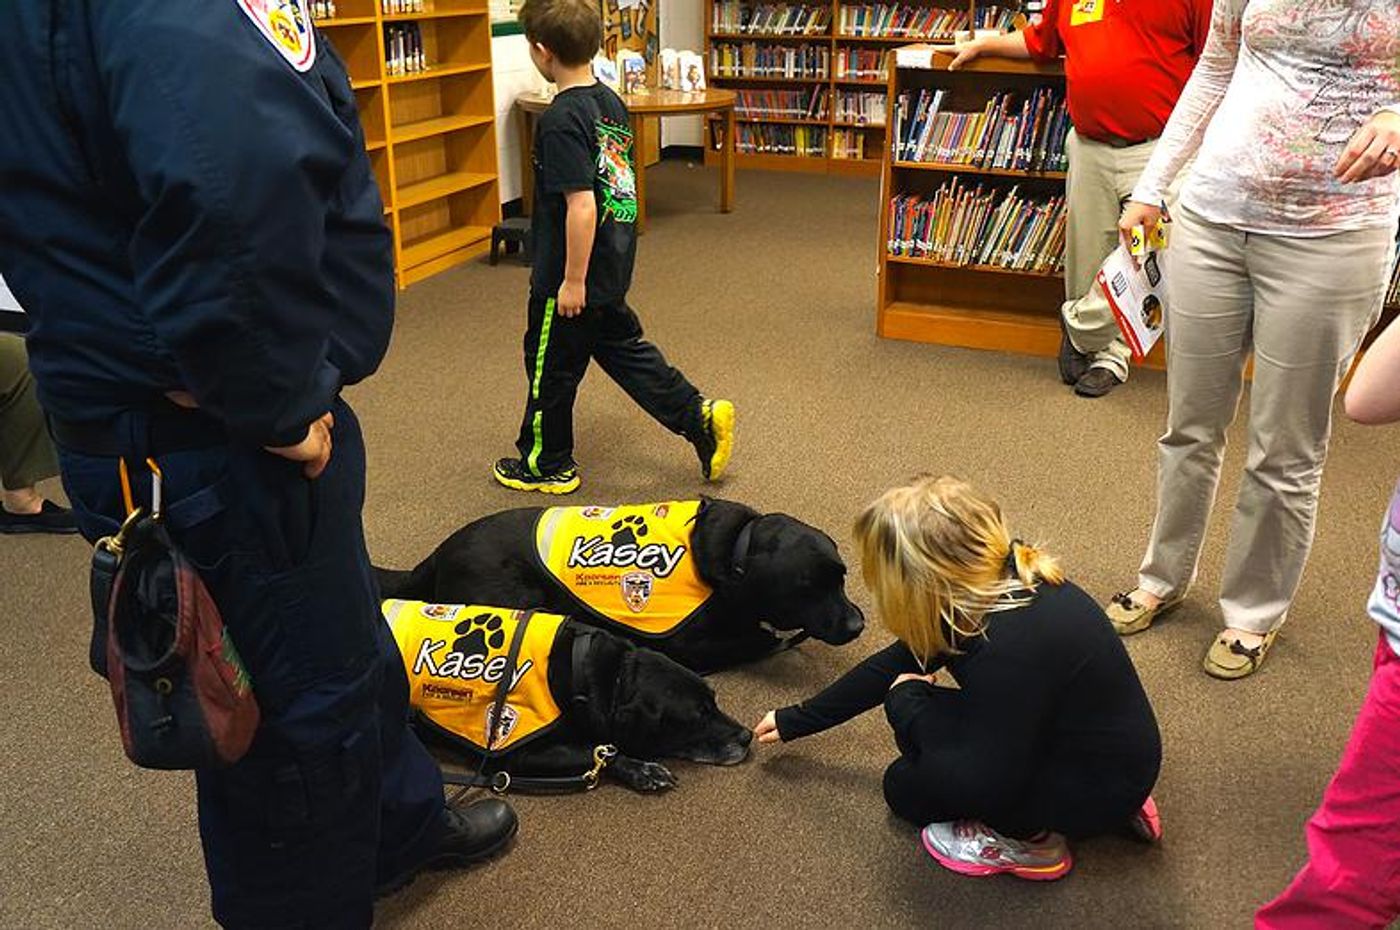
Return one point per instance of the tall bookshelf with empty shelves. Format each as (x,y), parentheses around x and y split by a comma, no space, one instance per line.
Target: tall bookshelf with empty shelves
(430,133)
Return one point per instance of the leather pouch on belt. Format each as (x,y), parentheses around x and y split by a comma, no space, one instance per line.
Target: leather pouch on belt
(182,696)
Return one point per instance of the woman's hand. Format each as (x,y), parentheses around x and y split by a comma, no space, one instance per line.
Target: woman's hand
(910,676)
(1137,214)
(767,729)
(1373,152)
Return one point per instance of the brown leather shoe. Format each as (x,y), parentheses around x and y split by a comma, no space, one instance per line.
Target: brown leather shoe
(1073,363)
(1096,382)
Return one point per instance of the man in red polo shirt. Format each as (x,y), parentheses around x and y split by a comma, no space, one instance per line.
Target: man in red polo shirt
(1126,62)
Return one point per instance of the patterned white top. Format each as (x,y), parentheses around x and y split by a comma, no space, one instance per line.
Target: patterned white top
(1279,90)
(1384,605)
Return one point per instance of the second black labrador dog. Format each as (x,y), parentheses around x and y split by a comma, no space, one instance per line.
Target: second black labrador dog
(572,690)
(710,583)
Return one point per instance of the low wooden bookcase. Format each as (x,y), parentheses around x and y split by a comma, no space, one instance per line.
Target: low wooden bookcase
(976,306)
(431,135)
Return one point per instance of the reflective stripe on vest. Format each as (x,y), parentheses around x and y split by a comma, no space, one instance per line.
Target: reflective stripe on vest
(455,655)
(633,565)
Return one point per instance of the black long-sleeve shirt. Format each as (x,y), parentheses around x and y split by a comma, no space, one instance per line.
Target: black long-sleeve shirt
(1049,684)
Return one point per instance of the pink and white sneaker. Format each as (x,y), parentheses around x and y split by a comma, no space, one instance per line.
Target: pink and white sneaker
(1146,824)
(972,848)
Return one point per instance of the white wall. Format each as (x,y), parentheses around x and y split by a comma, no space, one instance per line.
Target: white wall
(682,27)
(512,74)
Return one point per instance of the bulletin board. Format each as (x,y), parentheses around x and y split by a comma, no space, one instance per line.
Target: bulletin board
(631,24)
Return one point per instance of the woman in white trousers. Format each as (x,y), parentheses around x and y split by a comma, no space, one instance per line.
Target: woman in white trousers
(1281,248)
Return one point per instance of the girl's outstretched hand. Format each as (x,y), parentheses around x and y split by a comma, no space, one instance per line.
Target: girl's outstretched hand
(767,729)
(910,676)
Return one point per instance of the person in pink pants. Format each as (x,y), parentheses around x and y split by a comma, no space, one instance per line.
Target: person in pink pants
(1352,876)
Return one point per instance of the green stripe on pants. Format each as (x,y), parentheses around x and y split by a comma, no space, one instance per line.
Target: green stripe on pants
(533,459)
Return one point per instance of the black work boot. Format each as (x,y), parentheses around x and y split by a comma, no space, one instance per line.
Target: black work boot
(469,834)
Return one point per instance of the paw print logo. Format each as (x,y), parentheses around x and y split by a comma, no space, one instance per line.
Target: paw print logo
(479,635)
(629,530)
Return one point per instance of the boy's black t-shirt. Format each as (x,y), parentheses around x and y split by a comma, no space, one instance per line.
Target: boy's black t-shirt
(584,142)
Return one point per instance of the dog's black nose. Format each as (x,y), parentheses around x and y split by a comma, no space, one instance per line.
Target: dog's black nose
(746,737)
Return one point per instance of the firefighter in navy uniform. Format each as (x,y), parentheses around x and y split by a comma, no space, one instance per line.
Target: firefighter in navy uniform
(188,214)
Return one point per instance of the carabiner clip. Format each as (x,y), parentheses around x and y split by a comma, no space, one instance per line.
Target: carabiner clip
(129,500)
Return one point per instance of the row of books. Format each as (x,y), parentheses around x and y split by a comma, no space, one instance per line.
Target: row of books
(862,64)
(397,7)
(770,19)
(995,17)
(323,9)
(986,226)
(902,19)
(403,49)
(782,104)
(774,139)
(860,106)
(786,61)
(1024,136)
(848,144)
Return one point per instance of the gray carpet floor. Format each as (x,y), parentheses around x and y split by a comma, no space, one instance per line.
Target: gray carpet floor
(772,306)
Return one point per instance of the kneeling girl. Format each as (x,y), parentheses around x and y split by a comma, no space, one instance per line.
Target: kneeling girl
(1019,717)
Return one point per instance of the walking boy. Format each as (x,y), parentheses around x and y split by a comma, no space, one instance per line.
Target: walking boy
(585,240)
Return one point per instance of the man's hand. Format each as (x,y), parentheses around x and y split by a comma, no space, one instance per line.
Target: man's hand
(965,52)
(572,295)
(314,450)
(767,729)
(1373,152)
(1137,214)
(910,676)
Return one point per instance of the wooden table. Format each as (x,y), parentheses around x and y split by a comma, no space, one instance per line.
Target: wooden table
(640,106)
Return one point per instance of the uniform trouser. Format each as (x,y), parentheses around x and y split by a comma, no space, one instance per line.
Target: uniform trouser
(1352,876)
(1100,178)
(26,454)
(557,352)
(335,792)
(1302,305)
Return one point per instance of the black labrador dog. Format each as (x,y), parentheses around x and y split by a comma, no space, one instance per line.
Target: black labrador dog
(609,692)
(770,574)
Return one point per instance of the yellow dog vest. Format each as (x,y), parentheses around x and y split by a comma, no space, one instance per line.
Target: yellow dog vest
(633,565)
(456,656)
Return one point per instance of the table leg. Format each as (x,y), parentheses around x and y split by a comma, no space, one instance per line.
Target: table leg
(527,166)
(639,134)
(726,175)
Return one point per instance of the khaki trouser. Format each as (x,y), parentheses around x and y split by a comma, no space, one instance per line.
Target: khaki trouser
(1100,178)
(26,454)
(1302,305)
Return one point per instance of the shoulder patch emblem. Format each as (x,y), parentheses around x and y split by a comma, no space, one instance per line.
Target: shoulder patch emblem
(286,25)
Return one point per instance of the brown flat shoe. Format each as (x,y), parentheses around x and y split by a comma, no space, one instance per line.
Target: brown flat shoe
(1229,659)
(1129,617)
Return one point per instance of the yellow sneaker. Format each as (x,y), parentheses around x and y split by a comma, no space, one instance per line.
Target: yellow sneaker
(715,444)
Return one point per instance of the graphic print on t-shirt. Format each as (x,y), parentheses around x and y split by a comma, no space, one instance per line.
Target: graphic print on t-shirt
(617,182)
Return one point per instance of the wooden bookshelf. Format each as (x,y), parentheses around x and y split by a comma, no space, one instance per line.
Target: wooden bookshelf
(972,306)
(431,135)
(835,39)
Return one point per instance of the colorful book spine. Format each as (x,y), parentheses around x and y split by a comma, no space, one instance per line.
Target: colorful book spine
(979,226)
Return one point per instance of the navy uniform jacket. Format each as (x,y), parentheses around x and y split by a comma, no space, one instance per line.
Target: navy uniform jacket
(183,207)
